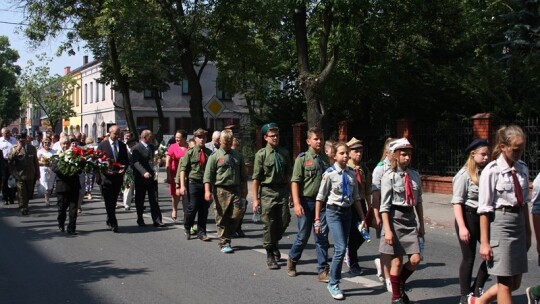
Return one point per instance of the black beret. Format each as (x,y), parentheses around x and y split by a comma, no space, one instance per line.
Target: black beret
(479,142)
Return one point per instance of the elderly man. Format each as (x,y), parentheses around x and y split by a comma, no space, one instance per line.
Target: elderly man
(24,166)
(6,143)
(214,144)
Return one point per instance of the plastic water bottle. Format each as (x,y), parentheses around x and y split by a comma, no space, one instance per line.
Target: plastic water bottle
(421,244)
(257,215)
(364,232)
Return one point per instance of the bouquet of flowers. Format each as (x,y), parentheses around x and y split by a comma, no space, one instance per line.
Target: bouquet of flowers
(45,161)
(128,179)
(158,156)
(77,160)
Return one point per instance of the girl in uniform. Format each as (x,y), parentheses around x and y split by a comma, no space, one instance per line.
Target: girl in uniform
(465,201)
(401,195)
(340,191)
(505,232)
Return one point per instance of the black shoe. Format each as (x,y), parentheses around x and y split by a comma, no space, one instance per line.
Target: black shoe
(108,224)
(72,232)
(6,203)
(277,254)
(159,224)
(405,297)
(240,233)
(187,235)
(141,223)
(61,228)
(115,229)
(271,260)
(24,212)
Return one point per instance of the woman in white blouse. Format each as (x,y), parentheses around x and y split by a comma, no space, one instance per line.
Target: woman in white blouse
(47,177)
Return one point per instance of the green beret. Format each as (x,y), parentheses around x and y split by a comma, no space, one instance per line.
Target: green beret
(269,126)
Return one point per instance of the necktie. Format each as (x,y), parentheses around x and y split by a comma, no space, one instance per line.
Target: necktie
(358,177)
(277,162)
(202,158)
(517,188)
(115,151)
(345,190)
(409,195)
(232,162)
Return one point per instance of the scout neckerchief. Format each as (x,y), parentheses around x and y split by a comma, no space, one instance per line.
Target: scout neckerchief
(517,188)
(409,195)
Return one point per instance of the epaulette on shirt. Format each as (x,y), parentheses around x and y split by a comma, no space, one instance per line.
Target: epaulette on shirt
(522,163)
(330,169)
(380,164)
(301,154)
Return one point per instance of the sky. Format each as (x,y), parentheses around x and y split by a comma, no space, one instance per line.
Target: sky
(11,19)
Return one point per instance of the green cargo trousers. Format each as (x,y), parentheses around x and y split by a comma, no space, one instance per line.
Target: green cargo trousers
(275,214)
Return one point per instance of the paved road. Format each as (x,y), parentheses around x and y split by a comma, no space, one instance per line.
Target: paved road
(157,265)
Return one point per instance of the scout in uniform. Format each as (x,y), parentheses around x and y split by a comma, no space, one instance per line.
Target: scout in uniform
(338,192)
(305,181)
(24,167)
(191,167)
(401,195)
(271,174)
(225,180)
(363,179)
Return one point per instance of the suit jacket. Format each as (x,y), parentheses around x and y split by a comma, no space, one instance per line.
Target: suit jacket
(65,183)
(122,157)
(23,162)
(142,160)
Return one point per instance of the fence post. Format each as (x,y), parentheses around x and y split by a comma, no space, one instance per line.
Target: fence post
(482,125)
(299,144)
(404,128)
(343,130)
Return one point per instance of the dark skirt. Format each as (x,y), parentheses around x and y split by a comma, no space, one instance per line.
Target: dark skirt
(404,228)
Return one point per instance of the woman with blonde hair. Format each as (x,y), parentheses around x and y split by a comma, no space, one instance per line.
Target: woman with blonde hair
(47,176)
(465,202)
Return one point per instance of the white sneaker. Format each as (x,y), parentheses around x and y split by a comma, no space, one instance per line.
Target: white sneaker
(378,265)
(388,285)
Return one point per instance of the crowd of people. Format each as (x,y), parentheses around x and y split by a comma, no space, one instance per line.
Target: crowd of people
(329,187)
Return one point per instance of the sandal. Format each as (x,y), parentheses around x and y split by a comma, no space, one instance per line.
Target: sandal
(79,210)
(173,215)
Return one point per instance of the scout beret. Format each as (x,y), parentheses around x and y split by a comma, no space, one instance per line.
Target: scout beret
(200,132)
(479,142)
(400,144)
(269,126)
(354,143)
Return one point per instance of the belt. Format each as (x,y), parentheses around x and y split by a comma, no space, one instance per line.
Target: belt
(337,208)
(514,209)
(195,181)
(403,209)
(469,209)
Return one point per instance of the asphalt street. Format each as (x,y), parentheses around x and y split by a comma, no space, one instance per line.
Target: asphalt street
(38,264)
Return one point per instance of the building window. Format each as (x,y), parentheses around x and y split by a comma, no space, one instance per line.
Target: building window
(77,96)
(222,94)
(103,92)
(97,91)
(185,87)
(183,123)
(91,92)
(150,94)
(86,94)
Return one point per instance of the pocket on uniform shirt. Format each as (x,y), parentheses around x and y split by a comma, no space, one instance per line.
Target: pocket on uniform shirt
(494,243)
(504,189)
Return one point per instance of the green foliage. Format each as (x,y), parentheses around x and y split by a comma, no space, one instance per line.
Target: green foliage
(9,92)
(52,94)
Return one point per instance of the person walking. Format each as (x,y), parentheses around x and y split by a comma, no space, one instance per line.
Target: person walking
(338,192)
(271,176)
(505,230)
(47,176)
(129,184)
(174,154)
(24,167)
(465,204)
(113,177)
(191,170)
(6,143)
(306,179)
(533,293)
(225,181)
(145,179)
(401,195)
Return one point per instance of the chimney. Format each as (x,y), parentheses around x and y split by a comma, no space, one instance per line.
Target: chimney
(85,59)
(67,70)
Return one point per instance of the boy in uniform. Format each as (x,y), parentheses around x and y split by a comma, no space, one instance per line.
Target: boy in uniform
(305,182)
(271,175)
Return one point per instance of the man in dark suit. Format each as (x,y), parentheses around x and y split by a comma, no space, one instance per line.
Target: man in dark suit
(112,179)
(142,157)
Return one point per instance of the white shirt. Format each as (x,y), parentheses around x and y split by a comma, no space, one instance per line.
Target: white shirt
(497,185)
(536,196)
(6,145)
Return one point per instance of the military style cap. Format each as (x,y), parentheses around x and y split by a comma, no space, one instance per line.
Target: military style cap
(354,143)
(269,126)
(400,144)
(479,142)
(200,132)
(23,135)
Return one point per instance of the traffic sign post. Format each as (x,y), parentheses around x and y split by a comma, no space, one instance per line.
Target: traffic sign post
(214,107)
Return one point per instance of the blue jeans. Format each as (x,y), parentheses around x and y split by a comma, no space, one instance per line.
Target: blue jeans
(339,222)
(305,225)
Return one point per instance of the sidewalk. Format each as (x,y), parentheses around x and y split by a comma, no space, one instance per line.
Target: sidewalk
(438,211)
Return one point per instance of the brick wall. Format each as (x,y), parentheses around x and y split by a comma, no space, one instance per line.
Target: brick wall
(437,184)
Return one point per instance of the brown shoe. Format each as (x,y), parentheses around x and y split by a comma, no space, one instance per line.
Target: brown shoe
(323,275)
(291,267)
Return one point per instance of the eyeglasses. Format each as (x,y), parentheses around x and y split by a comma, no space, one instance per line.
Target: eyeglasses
(273,136)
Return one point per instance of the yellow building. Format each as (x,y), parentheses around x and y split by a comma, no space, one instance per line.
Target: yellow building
(73,125)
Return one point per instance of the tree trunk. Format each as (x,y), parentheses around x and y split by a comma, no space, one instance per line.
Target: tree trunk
(123,85)
(161,117)
(195,90)
(314,99)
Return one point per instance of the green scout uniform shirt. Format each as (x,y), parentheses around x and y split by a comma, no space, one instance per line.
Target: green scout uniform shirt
(225,168)
(307,172)
(365,188)
(264,166)
(190,164)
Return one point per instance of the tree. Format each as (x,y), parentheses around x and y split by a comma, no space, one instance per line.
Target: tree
(9,93)
(51,94)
